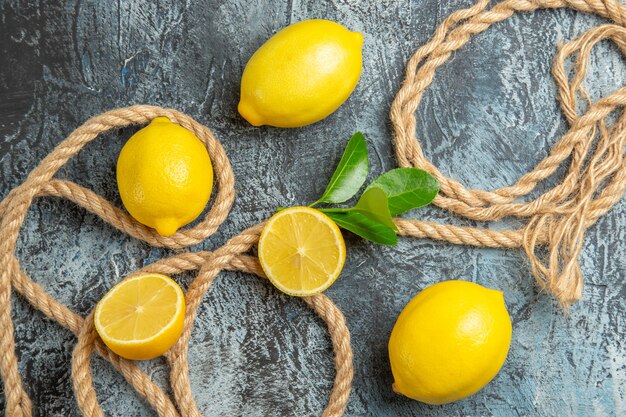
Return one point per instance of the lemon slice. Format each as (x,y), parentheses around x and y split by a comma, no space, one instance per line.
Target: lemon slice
(142,316)
(301,251)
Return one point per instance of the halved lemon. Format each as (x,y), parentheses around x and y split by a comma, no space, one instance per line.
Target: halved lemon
(142,316)
(301,251)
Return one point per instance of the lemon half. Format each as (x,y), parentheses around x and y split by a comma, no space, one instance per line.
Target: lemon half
(302,251)
(141,317)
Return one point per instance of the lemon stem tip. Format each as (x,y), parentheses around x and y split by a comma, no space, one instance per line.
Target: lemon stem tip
(166,227)
(248,113)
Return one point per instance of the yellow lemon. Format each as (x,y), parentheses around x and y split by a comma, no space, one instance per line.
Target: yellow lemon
(301,74)
(141,317)
(165,176)
(449,342)
(301,251)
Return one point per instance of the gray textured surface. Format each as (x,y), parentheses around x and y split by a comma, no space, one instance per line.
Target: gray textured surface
(489,116)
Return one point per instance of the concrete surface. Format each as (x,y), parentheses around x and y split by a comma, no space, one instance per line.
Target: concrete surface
(488,118)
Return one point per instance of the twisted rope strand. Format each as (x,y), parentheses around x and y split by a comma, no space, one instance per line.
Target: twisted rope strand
(595,181)
(179,375)
(41,183)
(58,312)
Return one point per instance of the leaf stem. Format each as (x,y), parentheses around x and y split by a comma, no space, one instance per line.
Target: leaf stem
(335,210)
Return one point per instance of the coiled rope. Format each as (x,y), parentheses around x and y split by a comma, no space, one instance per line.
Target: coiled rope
(558,219)
(231,256)
(595,180)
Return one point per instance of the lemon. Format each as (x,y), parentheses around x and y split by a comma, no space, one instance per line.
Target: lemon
(165,176)
(141,317)
(301,251)
(301,74)
(449,342)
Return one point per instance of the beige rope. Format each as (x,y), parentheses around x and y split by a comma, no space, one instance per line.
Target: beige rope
(594,182)
(231,256)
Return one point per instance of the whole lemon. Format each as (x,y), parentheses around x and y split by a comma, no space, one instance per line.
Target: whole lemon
(301,74)
(165,176)
(449,342)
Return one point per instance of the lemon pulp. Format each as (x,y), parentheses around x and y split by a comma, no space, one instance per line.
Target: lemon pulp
(302,251)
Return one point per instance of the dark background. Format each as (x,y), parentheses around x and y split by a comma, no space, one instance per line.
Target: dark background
(489,116)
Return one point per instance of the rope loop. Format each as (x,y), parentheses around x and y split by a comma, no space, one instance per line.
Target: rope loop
(558,219)
(593,147)
(41,183)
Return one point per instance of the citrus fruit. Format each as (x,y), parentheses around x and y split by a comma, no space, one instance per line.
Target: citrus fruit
(141,317)
(301,251)
(301,74)
(164,175)
(449,342)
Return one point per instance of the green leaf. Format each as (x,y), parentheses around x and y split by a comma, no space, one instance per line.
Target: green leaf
(364,227)
(350,174)
(373,204)
(406,188)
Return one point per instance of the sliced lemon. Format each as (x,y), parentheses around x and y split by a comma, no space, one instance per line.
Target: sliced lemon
(141,317)
(301,251)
